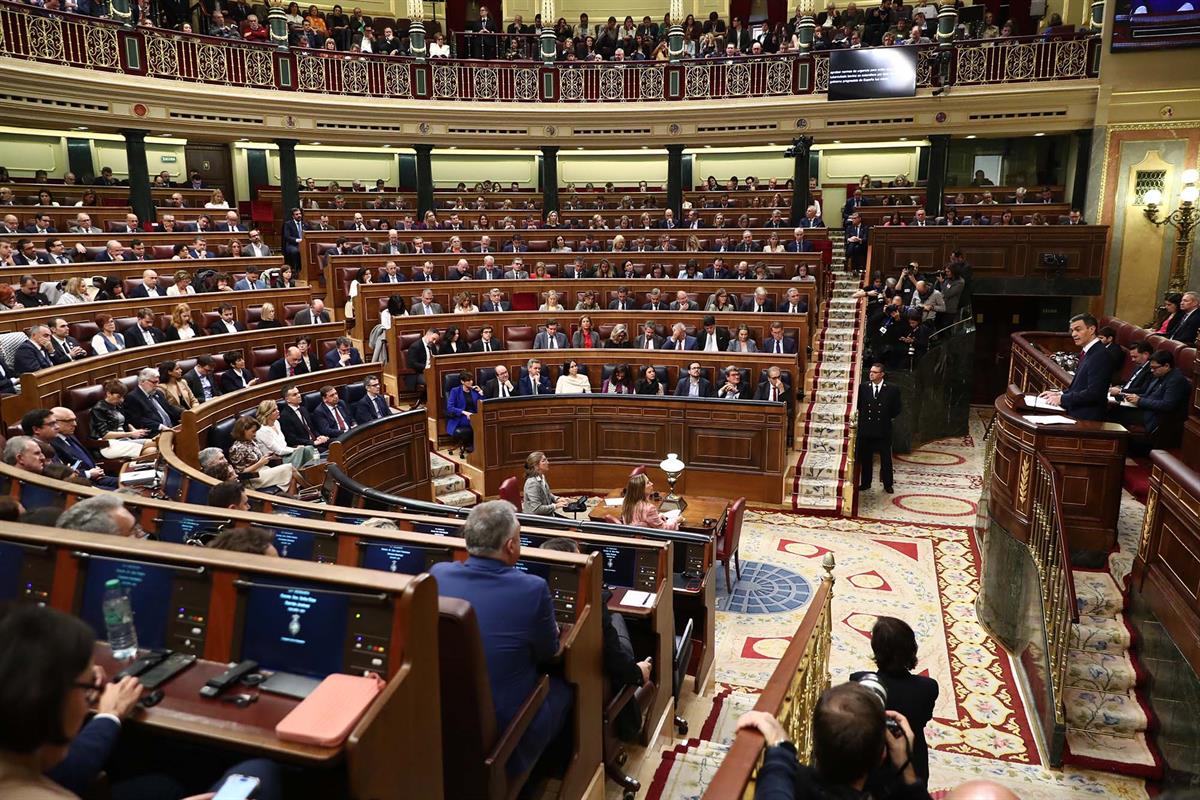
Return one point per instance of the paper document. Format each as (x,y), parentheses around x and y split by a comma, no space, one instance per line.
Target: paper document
(613,502)
(638,599)
(1033,401)
(138,476)
(1051,419)
(672,515)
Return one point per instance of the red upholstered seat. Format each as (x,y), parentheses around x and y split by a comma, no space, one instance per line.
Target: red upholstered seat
(510,490)
(730,537)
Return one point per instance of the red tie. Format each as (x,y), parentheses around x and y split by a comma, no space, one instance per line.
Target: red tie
(337,415)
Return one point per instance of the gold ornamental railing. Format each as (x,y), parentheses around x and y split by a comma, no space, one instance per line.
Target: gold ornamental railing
(1048,546)
(790,695)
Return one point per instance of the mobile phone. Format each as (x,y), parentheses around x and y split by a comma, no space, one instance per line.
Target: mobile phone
(237,787)
(171,666)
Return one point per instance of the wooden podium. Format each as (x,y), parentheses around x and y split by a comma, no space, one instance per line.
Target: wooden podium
(1088,460)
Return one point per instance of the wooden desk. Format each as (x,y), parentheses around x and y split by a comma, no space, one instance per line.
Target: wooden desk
(692,519)
(1088,460)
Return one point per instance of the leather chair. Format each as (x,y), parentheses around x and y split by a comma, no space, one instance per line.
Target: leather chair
(475,753)
(510,490)
(681,659)
(519,337)
(614,749)
(731,534)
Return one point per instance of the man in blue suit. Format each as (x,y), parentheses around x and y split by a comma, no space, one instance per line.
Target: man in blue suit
(1168,392)
(72,452)
(1087,396)
(533,378)
(293,234)
(344,355)
(799,244)
(516,623)
(776,342)
(331,417)
(373,404)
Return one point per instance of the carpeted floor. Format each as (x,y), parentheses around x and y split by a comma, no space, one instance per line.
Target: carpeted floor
(910,555)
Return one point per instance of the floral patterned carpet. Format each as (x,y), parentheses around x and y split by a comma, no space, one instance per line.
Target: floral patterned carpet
(910,555)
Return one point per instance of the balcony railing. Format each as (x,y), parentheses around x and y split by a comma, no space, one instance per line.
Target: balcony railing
(31,33)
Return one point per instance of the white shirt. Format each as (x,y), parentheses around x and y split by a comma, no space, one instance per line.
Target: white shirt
(173,290)
(710,343)
(230,327)
(186,333)
(272,440)
(69,299)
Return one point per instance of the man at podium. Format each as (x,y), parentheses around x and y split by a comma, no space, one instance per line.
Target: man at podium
(1087,396)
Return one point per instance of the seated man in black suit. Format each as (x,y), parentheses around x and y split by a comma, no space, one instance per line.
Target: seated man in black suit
(1167,395)
(1186,324)
(710,337)
(499,386)
(776,342)
(774,390)
(33,353)
(487,342)
(290,365)
(146,406)
(63,346)
(1087,396)
(1142,375)
(344,355)
(760,303)
(693,384)
(226,322)
(373,404)
(202,378)
(732,388)
(73,453)
(296,423)
(143,332)
(149,287)
(331,418)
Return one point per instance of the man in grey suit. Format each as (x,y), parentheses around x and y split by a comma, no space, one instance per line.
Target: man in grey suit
(426,305)
(315,314)
(683,302)
(551,338)
(649,340)
(517,271)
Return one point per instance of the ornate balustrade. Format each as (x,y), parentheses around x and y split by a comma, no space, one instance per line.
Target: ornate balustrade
(31,33)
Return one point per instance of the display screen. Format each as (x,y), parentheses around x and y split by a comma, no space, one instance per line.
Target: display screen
(149,588)
(33,496)
(347,520)
(294,544)
(12,556)
(620,564)
(438,529)
(395,557)
(172,483)
(295,629)
(1154,24)
(872,73)
(539,568)
(295,511)
(180,528)
(197,493)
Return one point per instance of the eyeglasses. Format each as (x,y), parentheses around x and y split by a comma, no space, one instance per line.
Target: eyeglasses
(92,689)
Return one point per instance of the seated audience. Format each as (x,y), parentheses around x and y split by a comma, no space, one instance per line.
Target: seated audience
(248,539)
(270,438)
(253,462)
(178,392)
(571,381)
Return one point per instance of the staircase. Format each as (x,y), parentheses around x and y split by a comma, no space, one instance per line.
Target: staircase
(449,487)
(822,464)
(1107,720)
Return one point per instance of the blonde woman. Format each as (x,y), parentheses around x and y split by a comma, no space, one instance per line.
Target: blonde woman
(73,292)
(464,305)
(182,285)
(270,437)
(181,327)
(216,200)
(551,303)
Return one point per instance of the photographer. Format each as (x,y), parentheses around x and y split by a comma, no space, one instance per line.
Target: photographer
(913,342)
(852,734)
(951,285)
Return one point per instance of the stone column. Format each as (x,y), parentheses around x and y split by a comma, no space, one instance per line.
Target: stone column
(675,181)
(800,150)
(424,179)
(935,185)
(289,178)
(549,180)
(139,174)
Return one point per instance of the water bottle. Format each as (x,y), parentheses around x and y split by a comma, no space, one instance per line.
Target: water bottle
(118,620)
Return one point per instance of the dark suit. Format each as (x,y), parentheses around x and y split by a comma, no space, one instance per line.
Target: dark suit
(1139,380)
(298,428)
(875,415)
(30,358)
(333,358)
(787,343)
(494,346)
(783,395)
(140,410)
(722,335)
(803,246)
(491,389)
(305,317)
(87,756)
(768,305)
(517,626)
(683,388)
(1087,396)
(1185,327)
(1165,396)
(488,307)
(61,352)
(218,328)
(135,335)
(370,408)
(525,386)
(856,252)
(193,380)
(293,234)
(279,369)
(418,360)
(71,451)
(913,696)
(323,421)
(640,342)
(232,381)
(141,290)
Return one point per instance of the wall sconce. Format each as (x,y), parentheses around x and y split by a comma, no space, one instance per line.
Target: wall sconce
(1183,220)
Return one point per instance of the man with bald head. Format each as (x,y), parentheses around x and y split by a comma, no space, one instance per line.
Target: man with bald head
(71,451)
(149,287)
(290,365)
(315,314)
(10,224)
(981,790)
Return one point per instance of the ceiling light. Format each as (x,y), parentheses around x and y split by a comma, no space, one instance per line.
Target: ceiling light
(314,143)
(970,136)
(837,141)
(81,127)
(904,138)
(1039,134)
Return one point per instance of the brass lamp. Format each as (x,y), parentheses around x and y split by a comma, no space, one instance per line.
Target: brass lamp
(673,468)
(1183,220)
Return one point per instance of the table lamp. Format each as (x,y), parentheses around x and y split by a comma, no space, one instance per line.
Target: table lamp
(673,467)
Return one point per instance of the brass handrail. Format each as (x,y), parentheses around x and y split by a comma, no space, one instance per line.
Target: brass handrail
(1048,547)
(790,695)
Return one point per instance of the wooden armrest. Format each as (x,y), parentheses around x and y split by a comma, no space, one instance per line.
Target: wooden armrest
(620,700)
(511,737)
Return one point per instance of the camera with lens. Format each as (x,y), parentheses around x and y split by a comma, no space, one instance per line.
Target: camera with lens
(871,682)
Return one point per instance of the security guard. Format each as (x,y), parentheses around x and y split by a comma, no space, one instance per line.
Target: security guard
(878,405)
